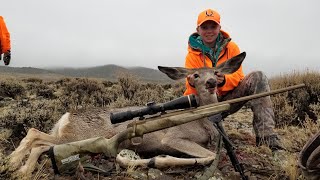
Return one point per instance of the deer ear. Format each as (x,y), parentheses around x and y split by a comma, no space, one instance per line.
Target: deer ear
(231,65)
(175,73)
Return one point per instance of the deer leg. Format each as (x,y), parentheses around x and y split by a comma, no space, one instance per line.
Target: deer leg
(17,156)
(163,161)
(29,167)
(202,156)
(39,147)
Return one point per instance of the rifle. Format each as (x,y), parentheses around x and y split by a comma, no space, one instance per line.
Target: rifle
(186,102)
(67,156)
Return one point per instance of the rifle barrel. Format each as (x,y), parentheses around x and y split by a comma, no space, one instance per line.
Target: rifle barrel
(255,96)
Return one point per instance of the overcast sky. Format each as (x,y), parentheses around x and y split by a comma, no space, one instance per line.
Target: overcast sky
(279,36)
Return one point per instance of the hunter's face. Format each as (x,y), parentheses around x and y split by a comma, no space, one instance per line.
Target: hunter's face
(209,31)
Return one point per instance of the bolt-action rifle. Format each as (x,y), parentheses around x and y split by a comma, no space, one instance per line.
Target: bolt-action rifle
(67,156)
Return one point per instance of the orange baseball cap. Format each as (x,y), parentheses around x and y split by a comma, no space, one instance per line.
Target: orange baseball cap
(208,15)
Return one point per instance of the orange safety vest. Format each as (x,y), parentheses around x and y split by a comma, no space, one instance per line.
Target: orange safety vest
(4,37)
(194,59)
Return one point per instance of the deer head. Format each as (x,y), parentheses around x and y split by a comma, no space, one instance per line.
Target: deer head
(205,80)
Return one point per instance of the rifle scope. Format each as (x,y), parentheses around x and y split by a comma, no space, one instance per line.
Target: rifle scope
(152,108)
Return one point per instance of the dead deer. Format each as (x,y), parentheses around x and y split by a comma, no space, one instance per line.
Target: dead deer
(191,138)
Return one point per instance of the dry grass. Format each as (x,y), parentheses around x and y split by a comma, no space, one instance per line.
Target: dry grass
(34,102)
(296,106)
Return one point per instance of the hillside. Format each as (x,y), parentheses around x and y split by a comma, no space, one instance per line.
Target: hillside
(106,71)
(109,72)
(149,74)
(24,70)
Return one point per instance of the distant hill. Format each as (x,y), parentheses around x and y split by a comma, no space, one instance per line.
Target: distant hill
(109,72)
(149,74)
(106,71)
(24,70)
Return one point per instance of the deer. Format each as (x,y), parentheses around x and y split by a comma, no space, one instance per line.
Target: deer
(190,139)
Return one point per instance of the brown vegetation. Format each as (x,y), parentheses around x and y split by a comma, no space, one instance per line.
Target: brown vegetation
(38,103)
(294,107)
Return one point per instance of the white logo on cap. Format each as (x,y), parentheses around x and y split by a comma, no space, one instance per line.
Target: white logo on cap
(209,14)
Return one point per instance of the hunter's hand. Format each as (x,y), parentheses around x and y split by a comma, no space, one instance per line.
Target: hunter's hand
(221,80)
(7,58)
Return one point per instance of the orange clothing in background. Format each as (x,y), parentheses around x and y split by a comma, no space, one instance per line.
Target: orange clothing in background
(4,37)
(194,60)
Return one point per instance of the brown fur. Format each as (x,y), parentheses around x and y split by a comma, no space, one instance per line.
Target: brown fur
(190,138)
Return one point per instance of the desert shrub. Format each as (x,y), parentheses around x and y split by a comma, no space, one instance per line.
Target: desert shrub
(108,83)
(37,114)
(144,93)
(45,91)
(168,94)
(40,89)
(293,107)
(83,92)
(129,85)
(62,82)
(145,86)
(157,95)
(32,80)
(178,88)
(146,96)
(121,102)
(12,89)
(284,112)
(32,87)
(166,86)
(114,92)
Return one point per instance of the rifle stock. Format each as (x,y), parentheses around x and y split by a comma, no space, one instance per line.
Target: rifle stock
(67,156)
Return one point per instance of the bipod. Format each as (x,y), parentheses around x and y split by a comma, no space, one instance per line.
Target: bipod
(238,167)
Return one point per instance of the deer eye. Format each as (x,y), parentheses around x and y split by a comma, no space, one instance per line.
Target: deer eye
(196,75)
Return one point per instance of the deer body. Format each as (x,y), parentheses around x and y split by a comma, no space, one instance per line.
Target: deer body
(191,138)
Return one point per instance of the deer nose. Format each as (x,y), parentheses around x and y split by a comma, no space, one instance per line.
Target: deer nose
(211,83)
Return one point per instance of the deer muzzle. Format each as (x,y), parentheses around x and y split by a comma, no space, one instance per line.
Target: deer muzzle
(211,85)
